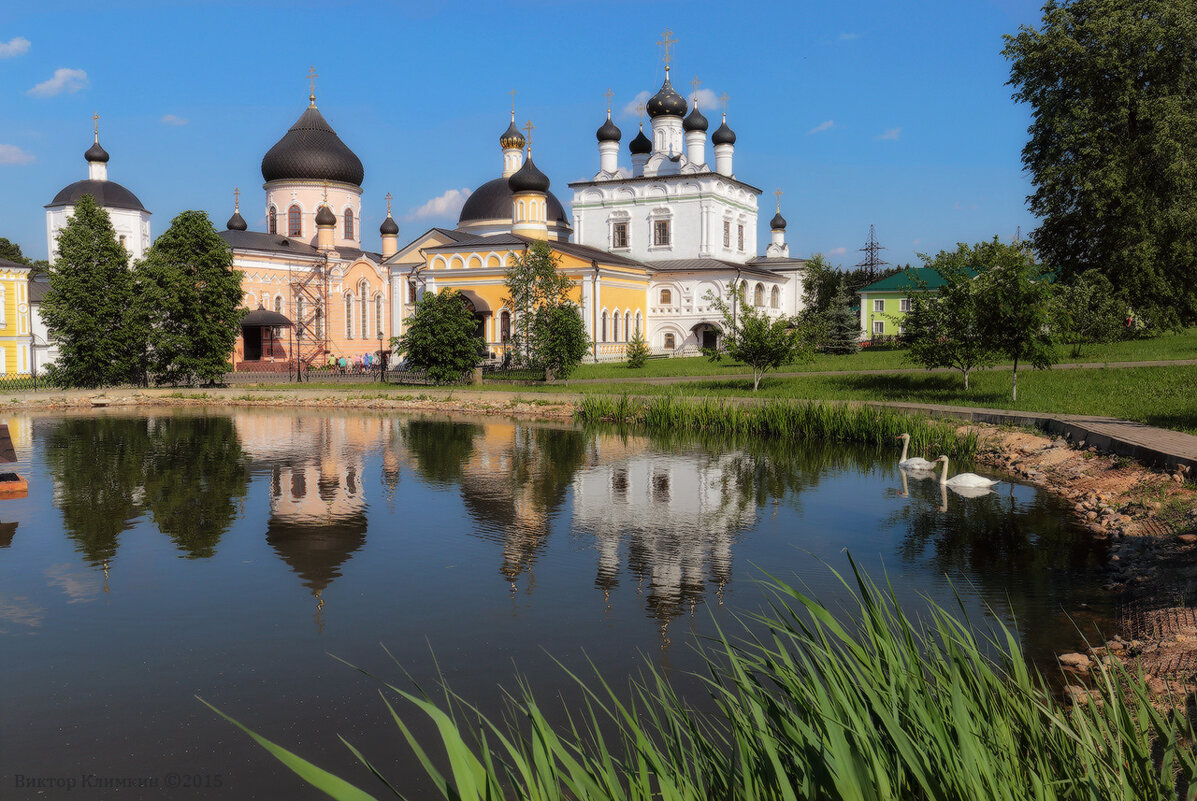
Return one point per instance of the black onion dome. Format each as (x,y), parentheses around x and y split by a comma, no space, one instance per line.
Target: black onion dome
(666,101)
(512,137)
(723,135)
(641,144)
(108,195)
(325,216)
(609,132)
(528,179)
(96,153)
(236,222)
(312,151)
(389,227)
(778,223)
(492,201)
(695,121)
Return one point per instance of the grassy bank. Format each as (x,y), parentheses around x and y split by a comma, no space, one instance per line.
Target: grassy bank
(880,708)
(780,420)
(1167,347)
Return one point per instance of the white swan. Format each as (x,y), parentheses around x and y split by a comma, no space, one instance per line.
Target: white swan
(917,463)
(971,480)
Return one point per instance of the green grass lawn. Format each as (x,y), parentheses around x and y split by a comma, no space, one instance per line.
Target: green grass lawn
(1167,347)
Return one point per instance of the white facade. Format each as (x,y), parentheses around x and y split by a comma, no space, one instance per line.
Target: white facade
(132,229)
(306,197)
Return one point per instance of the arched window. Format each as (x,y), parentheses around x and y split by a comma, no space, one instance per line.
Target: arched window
(666,297)
(604,337)
(348,316)
(758,295)
(300,323)
(615,327)
(639,323)
(775,298)
(362,289)
(411,291)
(294,222)
(504,326)
(272,220)
(319,321)
(670,342)
(3,306)
(627,325)
(349,223)
(377,314)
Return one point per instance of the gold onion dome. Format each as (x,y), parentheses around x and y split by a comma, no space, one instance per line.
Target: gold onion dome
(512,137)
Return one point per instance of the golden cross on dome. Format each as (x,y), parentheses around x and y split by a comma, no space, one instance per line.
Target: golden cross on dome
(723,98)
(610,93)
(326,193)
(96,119)
(640,111)
(667,41)
(388,204)
(513,93)
(236,198)
(779,193)
(312,76)
(528,129)
(694,84)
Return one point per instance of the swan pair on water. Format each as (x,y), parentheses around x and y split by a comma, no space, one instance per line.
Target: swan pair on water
(918,464)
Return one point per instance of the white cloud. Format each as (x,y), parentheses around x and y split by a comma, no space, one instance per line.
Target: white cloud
(64,80)
(630,109)
(171,119)
(446,205)
(707,99)
(849,37)
(837,251)
(17,46)
(890,135)
(826,125)
(11,154)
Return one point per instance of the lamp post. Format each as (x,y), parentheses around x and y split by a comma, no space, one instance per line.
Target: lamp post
(381,362)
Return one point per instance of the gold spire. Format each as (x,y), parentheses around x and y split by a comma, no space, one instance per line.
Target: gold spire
(312,76)
(694,84)
(779,193)
(513,93)
(640,113)
(528,129)
(96,119)
(236,200)
(667,41)
(723,98)
(388,204)
(609,94)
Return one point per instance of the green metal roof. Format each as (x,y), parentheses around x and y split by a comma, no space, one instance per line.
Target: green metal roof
(913,279)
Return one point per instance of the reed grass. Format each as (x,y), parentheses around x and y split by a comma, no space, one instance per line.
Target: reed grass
(874,708)
(783,420)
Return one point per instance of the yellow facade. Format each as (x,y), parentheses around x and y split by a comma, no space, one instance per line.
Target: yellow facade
(15,340)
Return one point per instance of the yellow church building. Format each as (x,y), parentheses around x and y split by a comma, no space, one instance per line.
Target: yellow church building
(15,339)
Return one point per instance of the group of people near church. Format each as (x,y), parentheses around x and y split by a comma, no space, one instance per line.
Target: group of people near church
(363,363)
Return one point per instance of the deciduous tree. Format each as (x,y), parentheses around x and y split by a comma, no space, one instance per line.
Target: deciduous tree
(946,328)
(752,338)
(439,337)
(1088,310)
(1112,86)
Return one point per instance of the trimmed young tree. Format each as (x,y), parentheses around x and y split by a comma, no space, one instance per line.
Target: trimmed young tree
(1018,295)
(189,295)
(1112,87)
(439,337)
(751,338)
(559,338)
(946,328)
(637,351)
(89,306)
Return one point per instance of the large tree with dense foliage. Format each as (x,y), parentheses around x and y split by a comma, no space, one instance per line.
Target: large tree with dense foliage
(1087,310)
(947,327)
(752,338)
(1112,85)
(547,331)
(190,295)
(439,337)
(90,306)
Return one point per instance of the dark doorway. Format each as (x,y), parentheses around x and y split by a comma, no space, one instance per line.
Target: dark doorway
(710,338)
(253,343)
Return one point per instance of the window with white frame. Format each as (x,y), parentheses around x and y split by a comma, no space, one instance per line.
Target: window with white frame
(378,313)
(670,342)
(878,327)
(604,331)
(775,298)
(300,325)
(740,237)
(362,289)
(904,304)
(901,330)
(272,220)
(294,222)
(661,233)
(879,305)
(758,295)
(666,297)
(411,291)
(619,235)
(348,315)
(278,303)
(615,326)
(727,234)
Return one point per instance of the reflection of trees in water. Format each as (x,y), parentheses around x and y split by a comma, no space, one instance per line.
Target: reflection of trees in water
(997,543)
(440,449)
(185,472)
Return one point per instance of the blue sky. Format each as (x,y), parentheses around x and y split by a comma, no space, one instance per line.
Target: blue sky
(895,114)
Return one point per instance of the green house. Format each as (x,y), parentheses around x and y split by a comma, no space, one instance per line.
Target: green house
(884,303)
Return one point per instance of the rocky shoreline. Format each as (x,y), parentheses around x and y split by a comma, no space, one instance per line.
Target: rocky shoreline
(1149,517)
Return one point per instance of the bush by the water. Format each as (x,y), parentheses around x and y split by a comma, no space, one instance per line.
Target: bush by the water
(874,708)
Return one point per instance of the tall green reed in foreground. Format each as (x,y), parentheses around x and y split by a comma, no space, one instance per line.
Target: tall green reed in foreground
(878,708)
(793,419)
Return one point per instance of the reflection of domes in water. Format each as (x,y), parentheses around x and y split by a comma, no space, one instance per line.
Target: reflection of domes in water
(316,548)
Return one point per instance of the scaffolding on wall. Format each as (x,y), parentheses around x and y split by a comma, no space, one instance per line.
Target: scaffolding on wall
(309,303)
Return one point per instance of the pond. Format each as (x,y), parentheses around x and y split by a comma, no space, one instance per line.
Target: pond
(160,556)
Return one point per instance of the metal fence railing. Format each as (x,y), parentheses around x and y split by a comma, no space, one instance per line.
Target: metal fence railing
(22,382)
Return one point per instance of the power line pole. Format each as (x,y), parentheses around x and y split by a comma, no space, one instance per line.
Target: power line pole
(872,261)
